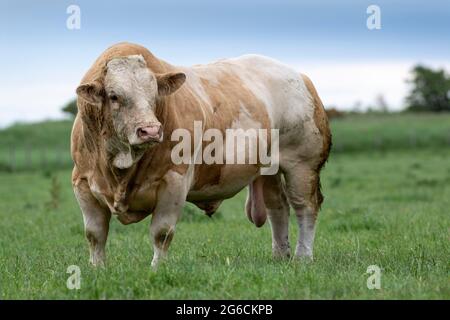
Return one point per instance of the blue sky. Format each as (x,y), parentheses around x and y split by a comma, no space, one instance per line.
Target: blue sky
(42,61)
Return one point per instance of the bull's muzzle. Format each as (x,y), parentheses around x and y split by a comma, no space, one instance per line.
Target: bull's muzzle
(150,133)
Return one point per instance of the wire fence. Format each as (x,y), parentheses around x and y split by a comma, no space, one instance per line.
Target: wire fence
(385,142)
(14,159)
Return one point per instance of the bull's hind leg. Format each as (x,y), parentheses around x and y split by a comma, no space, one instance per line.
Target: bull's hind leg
(278,212)
(303,192)
(96,222)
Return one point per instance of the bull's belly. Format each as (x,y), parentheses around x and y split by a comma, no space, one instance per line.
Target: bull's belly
(231,180)
(214,193)
(226,182)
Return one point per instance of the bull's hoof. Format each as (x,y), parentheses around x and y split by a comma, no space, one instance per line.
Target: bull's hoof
(281,253)
(97,263)
(304,258)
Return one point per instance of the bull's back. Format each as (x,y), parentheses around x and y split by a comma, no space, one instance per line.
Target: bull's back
(279,89)
(290,101)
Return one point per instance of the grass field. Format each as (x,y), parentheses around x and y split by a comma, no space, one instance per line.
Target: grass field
(387,207)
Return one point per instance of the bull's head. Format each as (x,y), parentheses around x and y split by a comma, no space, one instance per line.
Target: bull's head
(128,94)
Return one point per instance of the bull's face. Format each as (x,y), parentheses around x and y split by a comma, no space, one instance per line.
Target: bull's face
(129,93)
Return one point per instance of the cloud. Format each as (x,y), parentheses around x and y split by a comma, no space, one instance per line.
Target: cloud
(342,84)
(33,102)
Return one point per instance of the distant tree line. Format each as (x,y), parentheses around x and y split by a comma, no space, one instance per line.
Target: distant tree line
(430,91)
(71,107)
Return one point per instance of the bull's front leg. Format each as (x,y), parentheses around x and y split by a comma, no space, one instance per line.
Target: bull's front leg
(171,199)
(96,222)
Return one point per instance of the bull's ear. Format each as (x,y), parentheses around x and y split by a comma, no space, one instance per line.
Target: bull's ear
(91,92)
(169,82)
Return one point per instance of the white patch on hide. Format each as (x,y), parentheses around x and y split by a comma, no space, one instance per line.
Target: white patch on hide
(123,160)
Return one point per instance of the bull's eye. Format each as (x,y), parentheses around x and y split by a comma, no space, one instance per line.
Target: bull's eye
(113,98)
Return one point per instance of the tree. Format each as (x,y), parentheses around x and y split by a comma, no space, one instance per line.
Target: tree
(430,90)
(71,107)
(381,104)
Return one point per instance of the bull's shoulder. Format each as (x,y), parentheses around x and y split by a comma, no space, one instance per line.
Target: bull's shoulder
(80,150)
(75,136)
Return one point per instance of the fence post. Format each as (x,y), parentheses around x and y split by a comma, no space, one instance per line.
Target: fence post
(12,158)
(28,157)
(44,159)
(413,139)
(58,160)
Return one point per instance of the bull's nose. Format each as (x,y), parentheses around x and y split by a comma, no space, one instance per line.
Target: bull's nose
(152,132)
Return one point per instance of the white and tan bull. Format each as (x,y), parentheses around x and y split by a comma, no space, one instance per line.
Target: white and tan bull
(130,103)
